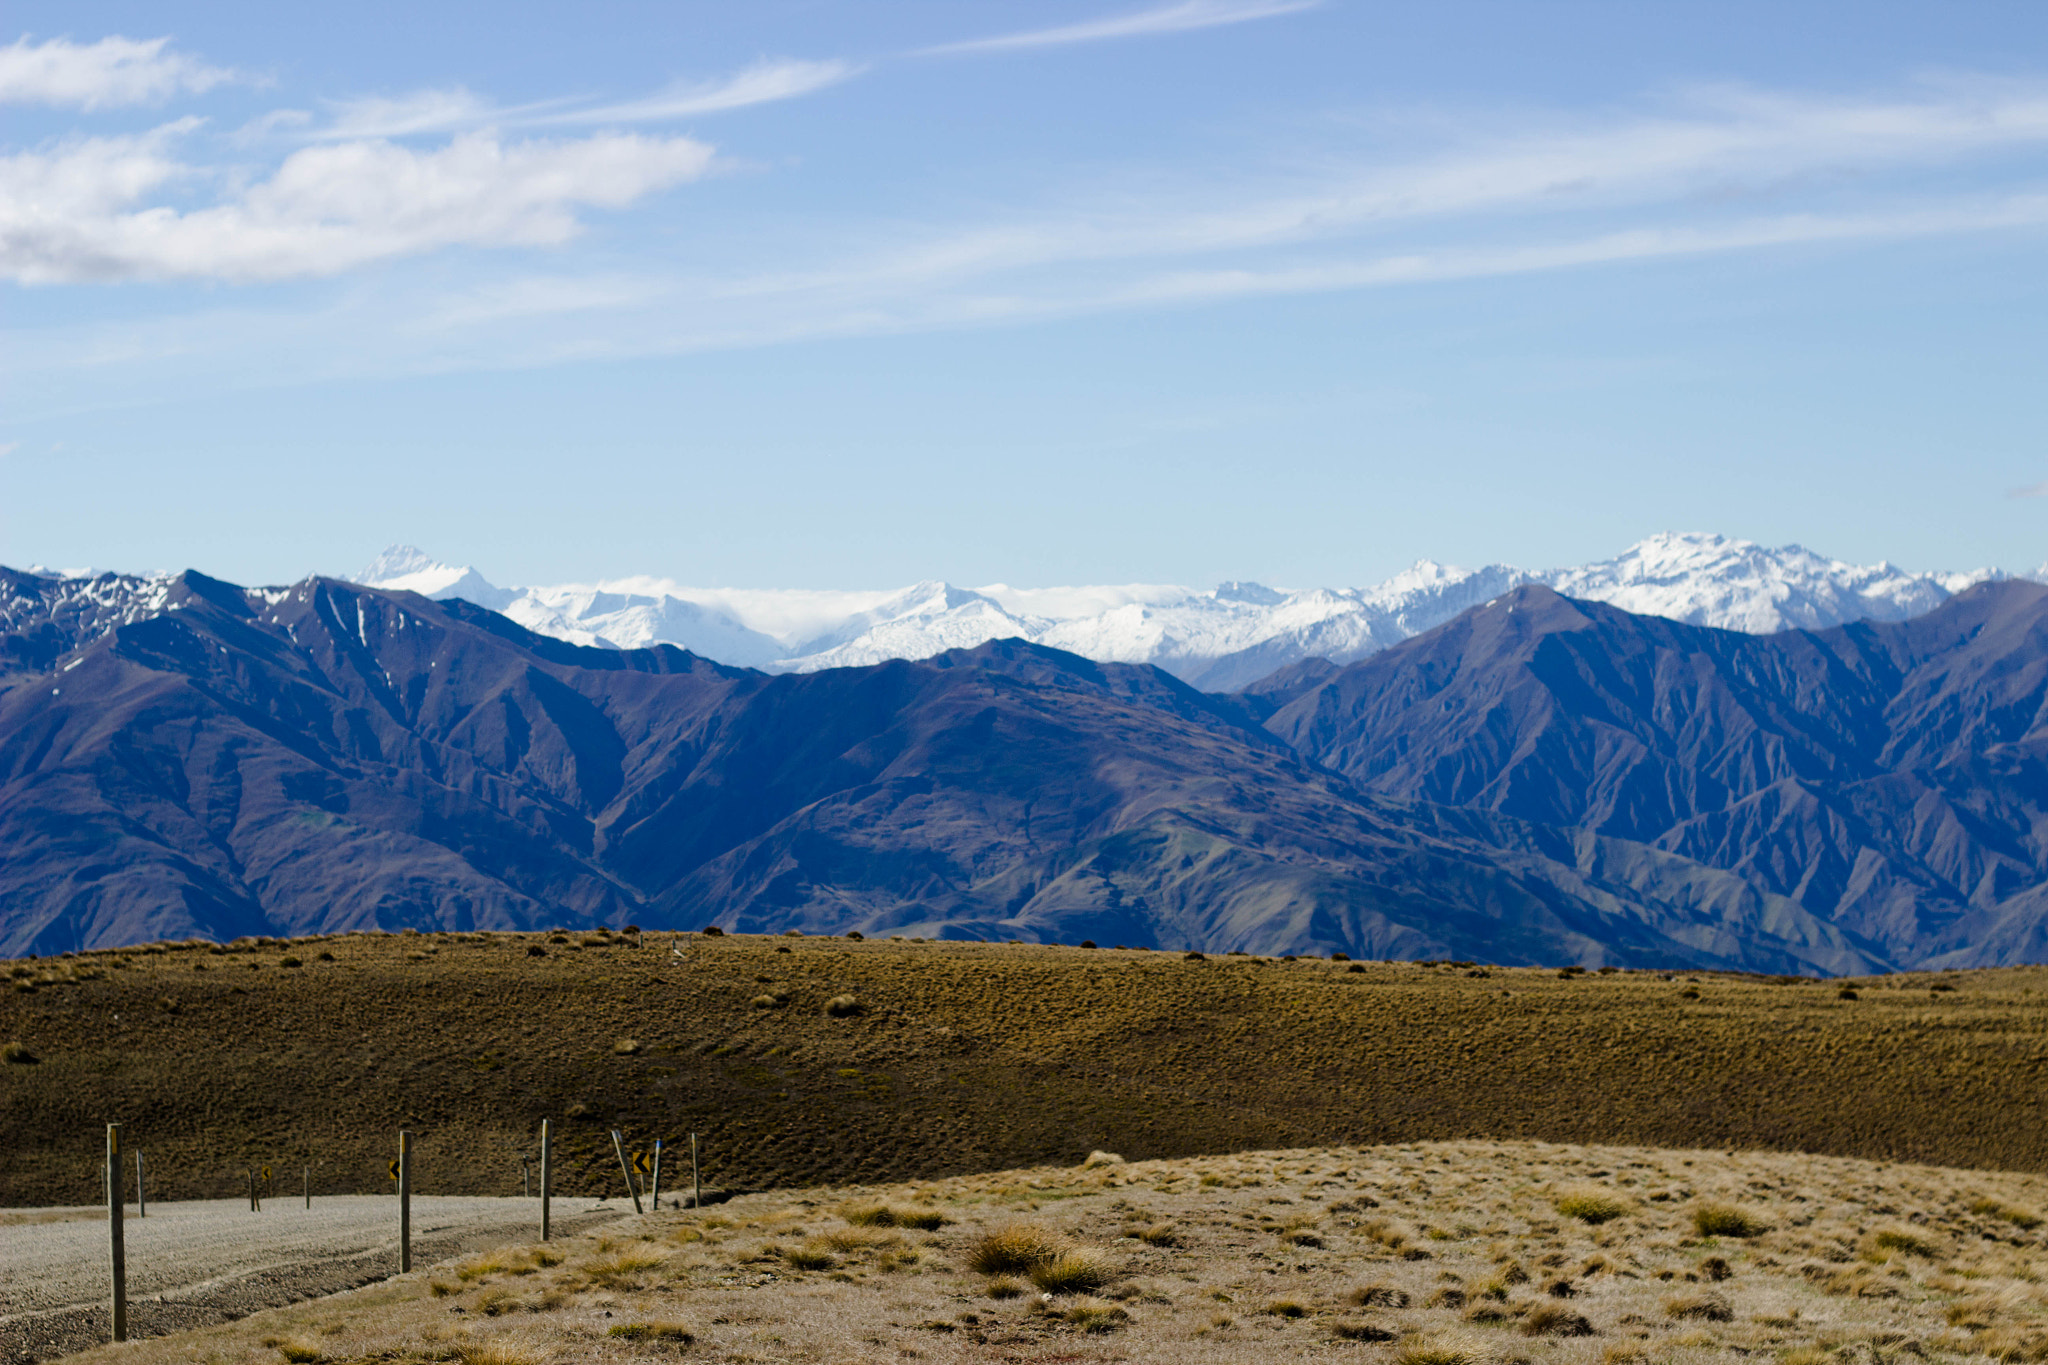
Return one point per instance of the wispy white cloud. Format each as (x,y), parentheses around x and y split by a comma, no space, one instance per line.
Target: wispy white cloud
(422,111)
(1727,151)
(111,72)
(1173,18)
(2032,490)
(76,212)
(762,83)
(454,108)
(1638,244)
(1719,173)
(540,297)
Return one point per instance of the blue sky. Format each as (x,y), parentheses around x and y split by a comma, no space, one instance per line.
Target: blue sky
(793,293)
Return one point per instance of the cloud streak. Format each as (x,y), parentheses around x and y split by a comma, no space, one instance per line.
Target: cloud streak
(454,109)
(762,83)
(107,74)
(1182,17)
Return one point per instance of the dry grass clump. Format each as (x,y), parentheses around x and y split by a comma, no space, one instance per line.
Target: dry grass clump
(810,1257)
(622,1269)
(1699,1307)
(1726,1220)
(16,1053)
(299,1351)
(1015,1249)
(1363,1331)
(1097,1318)
(1885,1243)
(883,1215)
(1591,1205)
(1377,1296)
(1077,1270)
(844,1006)
(1549,1320)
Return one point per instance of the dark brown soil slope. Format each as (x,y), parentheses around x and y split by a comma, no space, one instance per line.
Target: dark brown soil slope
(957,1057)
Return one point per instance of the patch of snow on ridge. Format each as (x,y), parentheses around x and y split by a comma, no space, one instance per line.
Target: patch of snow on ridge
(1218,639)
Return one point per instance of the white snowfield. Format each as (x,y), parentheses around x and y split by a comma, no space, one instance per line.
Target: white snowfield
(1218,639)
(190,1248)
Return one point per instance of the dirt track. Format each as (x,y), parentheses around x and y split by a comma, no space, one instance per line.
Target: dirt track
(208,1261)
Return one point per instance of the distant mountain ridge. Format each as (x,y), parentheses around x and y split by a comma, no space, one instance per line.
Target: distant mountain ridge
(1219,639)
(1542,779)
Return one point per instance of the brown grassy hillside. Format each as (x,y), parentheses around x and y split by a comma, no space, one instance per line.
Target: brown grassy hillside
(958,1057)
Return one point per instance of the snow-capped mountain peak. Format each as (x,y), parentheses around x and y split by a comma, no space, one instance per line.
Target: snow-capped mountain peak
(409,569)
(1219,639)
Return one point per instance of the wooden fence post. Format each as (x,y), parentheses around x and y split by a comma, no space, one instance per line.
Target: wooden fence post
(306,1182)
(656,1201)
(696,1179)
(619,1146)
(547,1149)
(404,1200)
(117,1253)
(141,1200)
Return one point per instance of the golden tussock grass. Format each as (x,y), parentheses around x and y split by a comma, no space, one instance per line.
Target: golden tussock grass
(1015,1248)
(1590,1205)
(1726,1220)
(1077,1270)
(880,1215)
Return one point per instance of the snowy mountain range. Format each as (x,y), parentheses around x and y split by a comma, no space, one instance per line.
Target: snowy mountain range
(1217,639)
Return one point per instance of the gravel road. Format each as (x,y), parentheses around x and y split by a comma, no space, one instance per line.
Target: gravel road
(211,1260)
